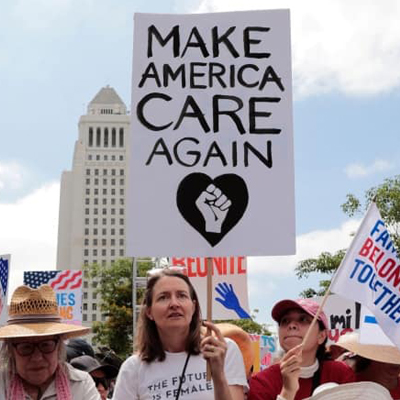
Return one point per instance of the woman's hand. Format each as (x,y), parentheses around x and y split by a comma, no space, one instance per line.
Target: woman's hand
(290,370)
(213,349)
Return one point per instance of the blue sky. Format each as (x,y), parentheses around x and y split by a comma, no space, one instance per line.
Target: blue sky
(57,55)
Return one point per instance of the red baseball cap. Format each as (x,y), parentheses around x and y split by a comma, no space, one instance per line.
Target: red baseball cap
(308,305)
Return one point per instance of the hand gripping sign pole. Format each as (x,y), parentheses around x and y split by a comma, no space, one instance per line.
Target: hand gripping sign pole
(209,305)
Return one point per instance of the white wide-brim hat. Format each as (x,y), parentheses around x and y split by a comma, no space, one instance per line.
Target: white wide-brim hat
(353,391)
(375,352)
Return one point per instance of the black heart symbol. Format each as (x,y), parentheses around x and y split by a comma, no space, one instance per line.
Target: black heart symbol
(200,201)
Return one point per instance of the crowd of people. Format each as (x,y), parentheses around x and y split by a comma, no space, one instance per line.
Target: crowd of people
(177,355)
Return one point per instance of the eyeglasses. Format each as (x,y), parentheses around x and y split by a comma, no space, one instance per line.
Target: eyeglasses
(25,349)
(103,381)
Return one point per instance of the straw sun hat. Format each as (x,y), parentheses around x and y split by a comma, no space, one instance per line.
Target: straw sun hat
(375,352)
(353,391)
(34,312)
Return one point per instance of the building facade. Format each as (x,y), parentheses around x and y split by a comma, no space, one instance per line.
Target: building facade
(93,194)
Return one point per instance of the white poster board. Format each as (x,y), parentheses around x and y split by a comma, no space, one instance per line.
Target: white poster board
(343,316)
(4,278)
(68,287)
(370,331)
(211,152)
(229,285)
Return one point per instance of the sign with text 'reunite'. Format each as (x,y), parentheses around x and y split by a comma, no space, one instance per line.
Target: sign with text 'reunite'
(230,298)
(211,150)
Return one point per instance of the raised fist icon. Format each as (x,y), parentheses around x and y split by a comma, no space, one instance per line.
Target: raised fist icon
(214,207)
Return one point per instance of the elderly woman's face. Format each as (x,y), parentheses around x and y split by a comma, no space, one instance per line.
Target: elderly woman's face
(36,358)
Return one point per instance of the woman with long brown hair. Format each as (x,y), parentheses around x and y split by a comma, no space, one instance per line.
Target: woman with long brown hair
(171,354)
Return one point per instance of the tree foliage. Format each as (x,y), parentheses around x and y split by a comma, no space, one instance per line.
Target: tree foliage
(114,285)
(387,199)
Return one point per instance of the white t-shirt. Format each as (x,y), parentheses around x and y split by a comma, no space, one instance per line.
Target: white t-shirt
(159,380)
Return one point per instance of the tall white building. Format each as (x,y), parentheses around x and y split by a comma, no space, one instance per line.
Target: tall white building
(92,201)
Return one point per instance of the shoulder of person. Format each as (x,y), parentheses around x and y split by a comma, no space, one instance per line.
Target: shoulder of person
(338,370)
(77,375)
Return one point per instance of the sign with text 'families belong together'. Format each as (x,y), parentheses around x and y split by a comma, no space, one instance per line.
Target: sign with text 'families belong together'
(211,150)
(370,273)
(229,284)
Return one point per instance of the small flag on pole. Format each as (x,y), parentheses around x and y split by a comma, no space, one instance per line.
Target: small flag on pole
(370,273)
(4,272)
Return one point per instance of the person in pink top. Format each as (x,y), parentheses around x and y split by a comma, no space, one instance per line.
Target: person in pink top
(304,366)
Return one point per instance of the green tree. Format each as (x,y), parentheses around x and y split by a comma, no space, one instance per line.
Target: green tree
(387,199)
(114,284)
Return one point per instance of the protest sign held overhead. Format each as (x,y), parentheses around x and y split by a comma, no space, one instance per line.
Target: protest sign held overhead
(370,273)
(68,287)
(4,276)
(229,284)
(211,150)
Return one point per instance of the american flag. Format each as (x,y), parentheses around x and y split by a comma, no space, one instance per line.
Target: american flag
(58,280)
(3,282)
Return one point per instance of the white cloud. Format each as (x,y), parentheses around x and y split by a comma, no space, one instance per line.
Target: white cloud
(350,47)
(29,232)
(11,175)
(358,170)
(309,245)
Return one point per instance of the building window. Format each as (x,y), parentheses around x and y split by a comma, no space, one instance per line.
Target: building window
(113,201)
(95,211)
(87,201)
(121,252)
(87,191)
(94,306)
(95,221)
(95,252)
(86,211)
(113,137)
(104,211)
(104,172)
(106,137)
(96,181)
(104,181)
(104,242)
(95,231)
(112,252)
(121,221)
(105,191)
(96,201)
(103,263)
(98,137)
(103,317)
(112,231)
(113,211)
(86,242)
(121,137)
(86,253)
(121,201)
(105,157)
(94,317)
(112,221)
(87,181)
(121,158)
(84,317)
(94,284)
(89,157)
(121,172)
(85,284)
(97,157)
(104,231)
(90,137)
(88,171)
(121,231)
(96,192)
(113,192)
(96,171)
(121,182)
(103,252)
(113,182)
(86,231)
(112,242)
(95,294)
(104,201)
(121,211)
(104,221)
(121,191)
(86,221)
(121,242)
(95,242)
(84,304)
(113,158)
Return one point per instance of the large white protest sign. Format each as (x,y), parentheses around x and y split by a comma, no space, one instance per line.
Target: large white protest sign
(343,316)
(370,273)
(211,150)
(68,287)
(229,284)
(4,275)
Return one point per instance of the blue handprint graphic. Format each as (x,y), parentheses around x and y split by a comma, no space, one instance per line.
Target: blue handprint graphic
(229,299)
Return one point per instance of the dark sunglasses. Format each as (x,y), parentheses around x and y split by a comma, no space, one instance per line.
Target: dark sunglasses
(104,381)
(25,349)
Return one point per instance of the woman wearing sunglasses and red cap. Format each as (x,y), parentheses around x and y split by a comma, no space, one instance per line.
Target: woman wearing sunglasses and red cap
(303,367)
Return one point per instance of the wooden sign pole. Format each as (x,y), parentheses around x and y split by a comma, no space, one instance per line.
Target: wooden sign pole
(209,305)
